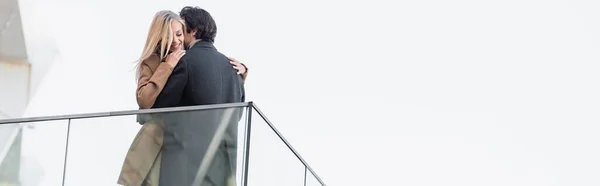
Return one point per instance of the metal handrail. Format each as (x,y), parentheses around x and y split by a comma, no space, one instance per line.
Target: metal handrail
(122,113)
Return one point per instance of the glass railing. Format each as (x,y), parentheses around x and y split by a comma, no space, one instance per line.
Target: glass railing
(225,144)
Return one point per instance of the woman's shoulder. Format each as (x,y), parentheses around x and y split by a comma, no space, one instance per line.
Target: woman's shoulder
(153,61)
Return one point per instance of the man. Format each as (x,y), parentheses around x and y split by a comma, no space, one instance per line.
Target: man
(203,76)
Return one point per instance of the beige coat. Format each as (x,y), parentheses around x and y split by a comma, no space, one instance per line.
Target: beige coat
(142,162)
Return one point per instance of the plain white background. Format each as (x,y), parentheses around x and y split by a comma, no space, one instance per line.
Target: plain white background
(369,92)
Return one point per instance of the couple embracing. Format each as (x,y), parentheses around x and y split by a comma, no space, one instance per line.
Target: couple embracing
(180,66)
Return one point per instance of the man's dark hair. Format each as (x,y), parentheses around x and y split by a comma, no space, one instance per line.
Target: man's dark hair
(199,19)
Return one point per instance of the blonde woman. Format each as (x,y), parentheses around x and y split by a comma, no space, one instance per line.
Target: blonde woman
(162,51)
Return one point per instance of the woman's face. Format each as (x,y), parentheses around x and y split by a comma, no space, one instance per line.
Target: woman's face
(177,36)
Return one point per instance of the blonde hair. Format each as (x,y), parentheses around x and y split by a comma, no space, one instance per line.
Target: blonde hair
(160,37)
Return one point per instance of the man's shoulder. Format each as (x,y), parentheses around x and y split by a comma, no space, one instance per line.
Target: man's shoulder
(193,53)
(203,54)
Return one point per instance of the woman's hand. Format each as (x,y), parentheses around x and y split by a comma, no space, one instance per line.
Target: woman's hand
(173,58)
(241,68)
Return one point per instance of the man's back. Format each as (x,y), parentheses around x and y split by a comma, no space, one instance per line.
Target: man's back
(211,79)
(203,76)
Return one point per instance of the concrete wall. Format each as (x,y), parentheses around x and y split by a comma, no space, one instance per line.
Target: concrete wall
(38,30)
(14,88)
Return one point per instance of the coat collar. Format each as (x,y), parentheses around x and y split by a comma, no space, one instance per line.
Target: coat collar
(202,44)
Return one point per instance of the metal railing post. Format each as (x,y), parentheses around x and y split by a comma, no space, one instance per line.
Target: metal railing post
(247,136)
(66,153)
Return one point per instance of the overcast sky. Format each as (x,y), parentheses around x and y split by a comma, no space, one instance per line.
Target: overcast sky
(369,92)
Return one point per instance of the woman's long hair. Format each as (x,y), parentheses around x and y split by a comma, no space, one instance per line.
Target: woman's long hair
(160,37)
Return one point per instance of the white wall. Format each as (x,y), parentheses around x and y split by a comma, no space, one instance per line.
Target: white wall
(373,93)
(14,78)
(40,42)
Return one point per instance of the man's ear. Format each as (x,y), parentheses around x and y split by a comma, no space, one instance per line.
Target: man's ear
(193,32)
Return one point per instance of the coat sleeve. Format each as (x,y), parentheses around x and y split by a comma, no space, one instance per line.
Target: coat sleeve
(151,83)
(172,93)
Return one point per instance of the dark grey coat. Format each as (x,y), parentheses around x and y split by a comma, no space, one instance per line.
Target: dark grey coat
(203,76)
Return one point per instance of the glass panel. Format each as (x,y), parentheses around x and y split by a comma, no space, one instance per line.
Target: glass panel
(271,163)
(39,148)
(311,180)
(96,149)
(197,146)
(242,124)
